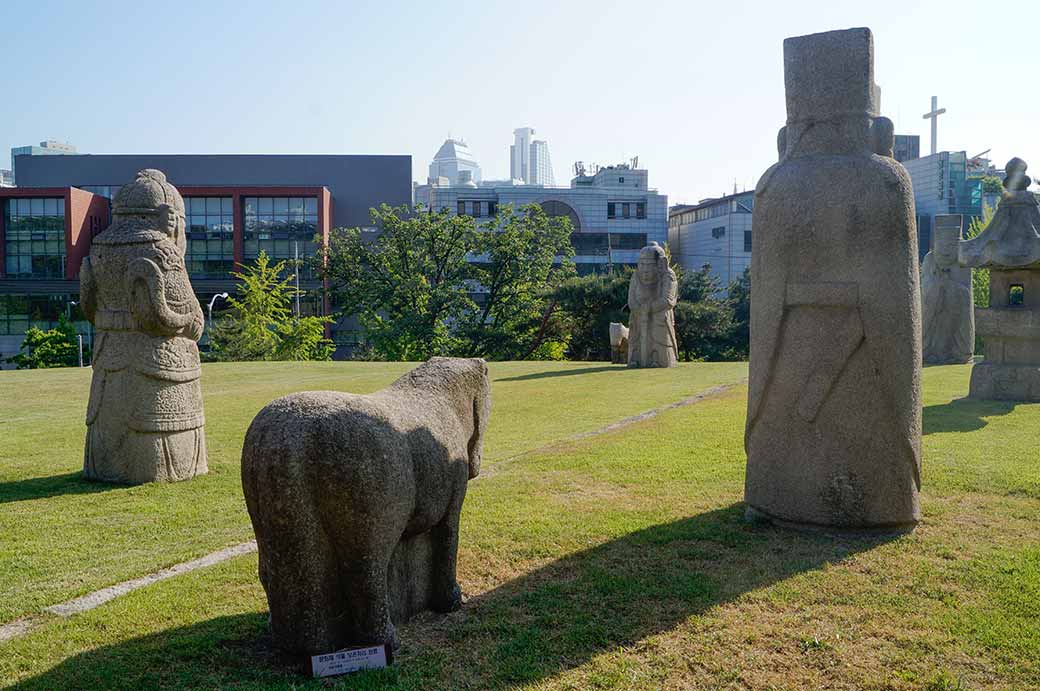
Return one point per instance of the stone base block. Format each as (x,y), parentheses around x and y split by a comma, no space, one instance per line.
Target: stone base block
(754,515)
(1003,382)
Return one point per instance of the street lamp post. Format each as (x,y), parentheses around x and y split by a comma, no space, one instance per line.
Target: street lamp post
(214,299)
(79,337)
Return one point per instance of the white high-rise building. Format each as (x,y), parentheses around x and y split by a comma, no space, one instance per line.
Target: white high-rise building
(453,160)
(529,159)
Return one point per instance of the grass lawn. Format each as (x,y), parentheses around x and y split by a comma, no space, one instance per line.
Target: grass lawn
(619,561)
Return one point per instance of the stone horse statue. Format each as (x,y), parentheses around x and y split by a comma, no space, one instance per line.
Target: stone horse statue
(355,502)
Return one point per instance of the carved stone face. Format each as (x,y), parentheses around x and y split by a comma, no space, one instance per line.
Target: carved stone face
(647,270)
(946,249)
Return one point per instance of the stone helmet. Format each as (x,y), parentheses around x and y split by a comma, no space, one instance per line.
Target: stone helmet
(653,251)
(151,195)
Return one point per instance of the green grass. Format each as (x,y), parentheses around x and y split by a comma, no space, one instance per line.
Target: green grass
(64,536)
(616,562)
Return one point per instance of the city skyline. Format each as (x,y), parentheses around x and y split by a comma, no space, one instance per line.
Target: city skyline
(700,107)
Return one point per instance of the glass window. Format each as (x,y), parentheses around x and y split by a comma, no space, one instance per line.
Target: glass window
(610,210)
(34,242)
(719,232)
(586,244)
(625,210)
(747,240)
(492,208)
(283,227)
(627,241)
(461,210)
(640,209)
(1016,295)
(211,245)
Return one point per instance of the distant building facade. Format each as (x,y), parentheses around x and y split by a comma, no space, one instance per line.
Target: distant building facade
(613,212)
(235,206)
(714,232)
(529,159)
(456,162)
(907,147)
(947,182)
(46,148)
(6,178)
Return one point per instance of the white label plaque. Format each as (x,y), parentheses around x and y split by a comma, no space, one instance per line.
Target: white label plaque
(346,661)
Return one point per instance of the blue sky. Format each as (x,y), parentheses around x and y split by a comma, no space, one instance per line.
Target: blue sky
(694,89)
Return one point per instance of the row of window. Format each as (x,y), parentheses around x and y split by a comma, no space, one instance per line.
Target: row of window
(597,244)
(34,238)
(743,205)
(477,208)
(626,210)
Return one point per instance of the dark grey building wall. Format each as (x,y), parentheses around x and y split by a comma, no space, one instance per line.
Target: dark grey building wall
(356,183)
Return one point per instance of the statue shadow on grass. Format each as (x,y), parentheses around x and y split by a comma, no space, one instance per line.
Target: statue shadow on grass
(527,630)
(963,414)
(563,373)
(51,486)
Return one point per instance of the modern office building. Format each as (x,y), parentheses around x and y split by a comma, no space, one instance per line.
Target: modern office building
(236,205)
(713,232)
(907,147)
(46,148)
(456,162)
(945,183)
(529,160)
(613,211)
(6,178)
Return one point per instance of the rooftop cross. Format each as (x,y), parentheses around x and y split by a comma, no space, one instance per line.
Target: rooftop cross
(934,116)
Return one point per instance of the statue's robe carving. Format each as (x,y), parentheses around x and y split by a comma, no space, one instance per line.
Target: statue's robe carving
(651,330)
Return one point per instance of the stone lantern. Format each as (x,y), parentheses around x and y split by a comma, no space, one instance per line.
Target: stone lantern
(1010,327)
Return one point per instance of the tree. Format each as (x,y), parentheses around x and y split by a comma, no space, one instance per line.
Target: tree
(57,347)
(261,324)
(525,255)
(980,277)
(738,300)
(991,184)
(587,306)
(407,282)
(431,283)
(703,330)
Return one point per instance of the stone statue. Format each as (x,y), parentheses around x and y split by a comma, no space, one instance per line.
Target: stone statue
(355,502)
(618,343)
(833,434)
(144,417)
(652,294)
(948,309)
(1010,328)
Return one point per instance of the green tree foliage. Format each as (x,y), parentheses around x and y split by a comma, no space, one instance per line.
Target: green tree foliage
(980,277)
(261,324)
(57,347)
(521,252)
(406,283)
(416,295)
(707,326)
(991,184)
(588,305)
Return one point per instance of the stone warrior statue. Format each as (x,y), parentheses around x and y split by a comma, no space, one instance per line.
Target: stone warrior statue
(948,326)
(652,295)
(144,418)
(833,434)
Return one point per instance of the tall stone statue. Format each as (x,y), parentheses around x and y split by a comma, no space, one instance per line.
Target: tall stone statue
(833,434)
(948,309)
(144,417)
(652,295)
(1010,328)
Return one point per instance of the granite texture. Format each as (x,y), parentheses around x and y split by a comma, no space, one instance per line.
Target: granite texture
(355,502)
(618,343)
(1010,327)
(652,294)
(833,433)
(948,308)
(145,419)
